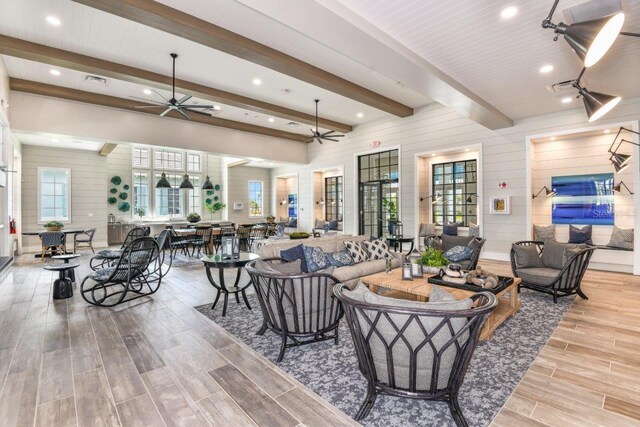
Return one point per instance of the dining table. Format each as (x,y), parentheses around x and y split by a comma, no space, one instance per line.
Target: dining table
(66,232)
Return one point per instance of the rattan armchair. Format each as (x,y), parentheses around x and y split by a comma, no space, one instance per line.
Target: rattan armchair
(418,353)
(84,239)
(300,308)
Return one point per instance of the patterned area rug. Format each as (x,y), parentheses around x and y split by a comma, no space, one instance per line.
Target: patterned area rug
(332,371)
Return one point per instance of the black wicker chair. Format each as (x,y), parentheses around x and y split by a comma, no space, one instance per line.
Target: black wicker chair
(418,353)
(201,241)
(164,244)
(138,273)
(300,308)
(106,257)
(244,233)
(568,279)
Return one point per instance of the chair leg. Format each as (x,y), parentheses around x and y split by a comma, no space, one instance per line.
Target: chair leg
(283,347)
(366,406)
(237,298)
(335,339)
(224,306)
(582,295)
(456,412)
(555,297)
(246,301)
(263,328)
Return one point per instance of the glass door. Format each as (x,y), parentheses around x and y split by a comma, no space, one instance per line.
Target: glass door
(378,177)
(370,203)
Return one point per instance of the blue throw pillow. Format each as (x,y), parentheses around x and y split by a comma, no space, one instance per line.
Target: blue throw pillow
(333,224)
(458,253)
(339,259)
(450,229)
(316,259)
(295,253)
(293,222)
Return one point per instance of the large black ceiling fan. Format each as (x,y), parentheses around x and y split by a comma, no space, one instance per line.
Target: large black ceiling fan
(177,105)
(327,136)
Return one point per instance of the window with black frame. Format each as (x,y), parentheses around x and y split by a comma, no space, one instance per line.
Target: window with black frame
(455,187)
(378,177)
(333,198)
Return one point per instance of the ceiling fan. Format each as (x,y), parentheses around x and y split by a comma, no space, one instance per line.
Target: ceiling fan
(173,104)
(327,136)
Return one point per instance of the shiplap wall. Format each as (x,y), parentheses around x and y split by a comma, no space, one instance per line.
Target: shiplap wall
(238,178)
(88,184)
(434,127)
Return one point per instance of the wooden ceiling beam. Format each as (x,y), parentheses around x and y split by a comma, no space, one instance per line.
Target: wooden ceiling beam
(164,18)
(37,88)
(107,148)
(87,64)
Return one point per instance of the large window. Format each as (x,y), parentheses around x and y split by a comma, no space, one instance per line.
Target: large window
(140,157)
(193,196)
(169,201)
(169,160)
(141,193)
(193,163)
(255,198)
(455,186)
(54,194)
(333,198)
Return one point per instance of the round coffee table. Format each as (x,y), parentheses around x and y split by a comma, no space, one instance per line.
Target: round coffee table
(220,263)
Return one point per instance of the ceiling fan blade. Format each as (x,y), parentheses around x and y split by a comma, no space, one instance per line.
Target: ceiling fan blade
(158,93)
(165,112)
(145,100)
(309,140)
(181,111)
(196,111)
(149,106)
(206,107)
(330,139)
(329,133)
(184,99)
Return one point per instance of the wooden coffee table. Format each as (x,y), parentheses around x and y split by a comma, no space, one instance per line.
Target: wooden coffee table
(419,290)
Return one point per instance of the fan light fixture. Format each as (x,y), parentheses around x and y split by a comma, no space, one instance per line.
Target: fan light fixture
(548,192)
(620,161)
(317,136)
(618,187)
(186,184)
(207,184)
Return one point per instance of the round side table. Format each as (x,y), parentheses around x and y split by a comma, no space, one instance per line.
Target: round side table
(71,274)
(62,286)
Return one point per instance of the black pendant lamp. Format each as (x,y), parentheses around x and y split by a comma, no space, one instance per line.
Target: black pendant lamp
(186,184)
(207,184)
(163,182)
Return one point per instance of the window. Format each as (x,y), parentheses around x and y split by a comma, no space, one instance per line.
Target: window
(54,194)
(333,198)
(456,185)
(141,193)
(169,201)
(193,196)
(193,163)
(378,175)
(169,160)
(140,157)
(255,198)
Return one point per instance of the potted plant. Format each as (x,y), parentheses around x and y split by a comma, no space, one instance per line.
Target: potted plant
(140,212)
(271,218)
(54,226)
(392,209)
(214,207)
(432,261)
(193,217)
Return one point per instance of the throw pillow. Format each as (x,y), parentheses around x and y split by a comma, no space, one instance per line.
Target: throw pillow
(526,256)
(621,238)
(450,229)
(377,249)
(288,268)
(265,266)
(294,253)
(339,259)
(293,222)
(474,230)
(320,223)
(438,294)
(553,253)
(543,232)
(316,260)
(458,253)
(357,251)
(580,235)
(333,224)
(427,230)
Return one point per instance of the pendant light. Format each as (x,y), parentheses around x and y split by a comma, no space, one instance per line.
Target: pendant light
(163,182)
(186,184)
(207,184)
(597,104)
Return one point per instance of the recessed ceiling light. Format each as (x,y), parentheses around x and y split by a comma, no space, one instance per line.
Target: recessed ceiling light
(217,107)
(53,21)
(257,82)
(546,69)
(509,12)
(567,100)
(466,149)
(271,119)
(270,164)
(54,72)
(607,131)
(360,115)
(54,140)
(553,138)
(147,92)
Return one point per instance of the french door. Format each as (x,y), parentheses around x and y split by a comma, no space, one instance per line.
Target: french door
(378,180)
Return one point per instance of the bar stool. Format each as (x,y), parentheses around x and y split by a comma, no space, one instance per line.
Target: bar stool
(71,274)
(62,286)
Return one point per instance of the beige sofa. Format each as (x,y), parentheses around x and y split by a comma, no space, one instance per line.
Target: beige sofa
(348,275)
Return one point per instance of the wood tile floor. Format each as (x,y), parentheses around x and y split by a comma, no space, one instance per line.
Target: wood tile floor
(157,361)
(152,362)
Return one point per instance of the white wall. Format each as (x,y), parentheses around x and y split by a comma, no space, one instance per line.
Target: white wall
(435,127)
(238,178)
(8,149)
(88,190)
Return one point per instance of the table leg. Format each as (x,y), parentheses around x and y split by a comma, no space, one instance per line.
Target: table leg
(412,246)
(216,300)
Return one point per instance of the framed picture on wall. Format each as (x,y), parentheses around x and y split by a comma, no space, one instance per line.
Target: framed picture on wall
(500,205)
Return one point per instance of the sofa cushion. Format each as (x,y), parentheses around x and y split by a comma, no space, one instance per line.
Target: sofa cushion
(427,230)
(450,229)
(474,230)
(333,224)
(293,268)
(320,223)
(526,256)
(538,276)
(553,254)
(449,242)
(621,238)
(315,257)
(580,235)
(544,232)
(357,251)
(294,253)
(293,222)
(377,249)
(458,253)
(339,259)
(355,271)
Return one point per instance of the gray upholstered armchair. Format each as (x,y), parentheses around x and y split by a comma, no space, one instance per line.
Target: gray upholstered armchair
(446,242)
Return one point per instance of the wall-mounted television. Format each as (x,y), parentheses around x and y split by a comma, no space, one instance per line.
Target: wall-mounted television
(583,199)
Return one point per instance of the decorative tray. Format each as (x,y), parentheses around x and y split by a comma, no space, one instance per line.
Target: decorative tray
(503,282)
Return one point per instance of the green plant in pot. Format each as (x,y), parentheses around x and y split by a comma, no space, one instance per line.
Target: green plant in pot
(53,226)
(140,212)
(213,208)
(193,217)
(271,218)
(392,209)
(433,260)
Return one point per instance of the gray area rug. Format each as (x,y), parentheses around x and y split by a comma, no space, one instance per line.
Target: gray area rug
(332,370)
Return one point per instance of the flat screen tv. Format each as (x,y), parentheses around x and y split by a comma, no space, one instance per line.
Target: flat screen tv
(583,199)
